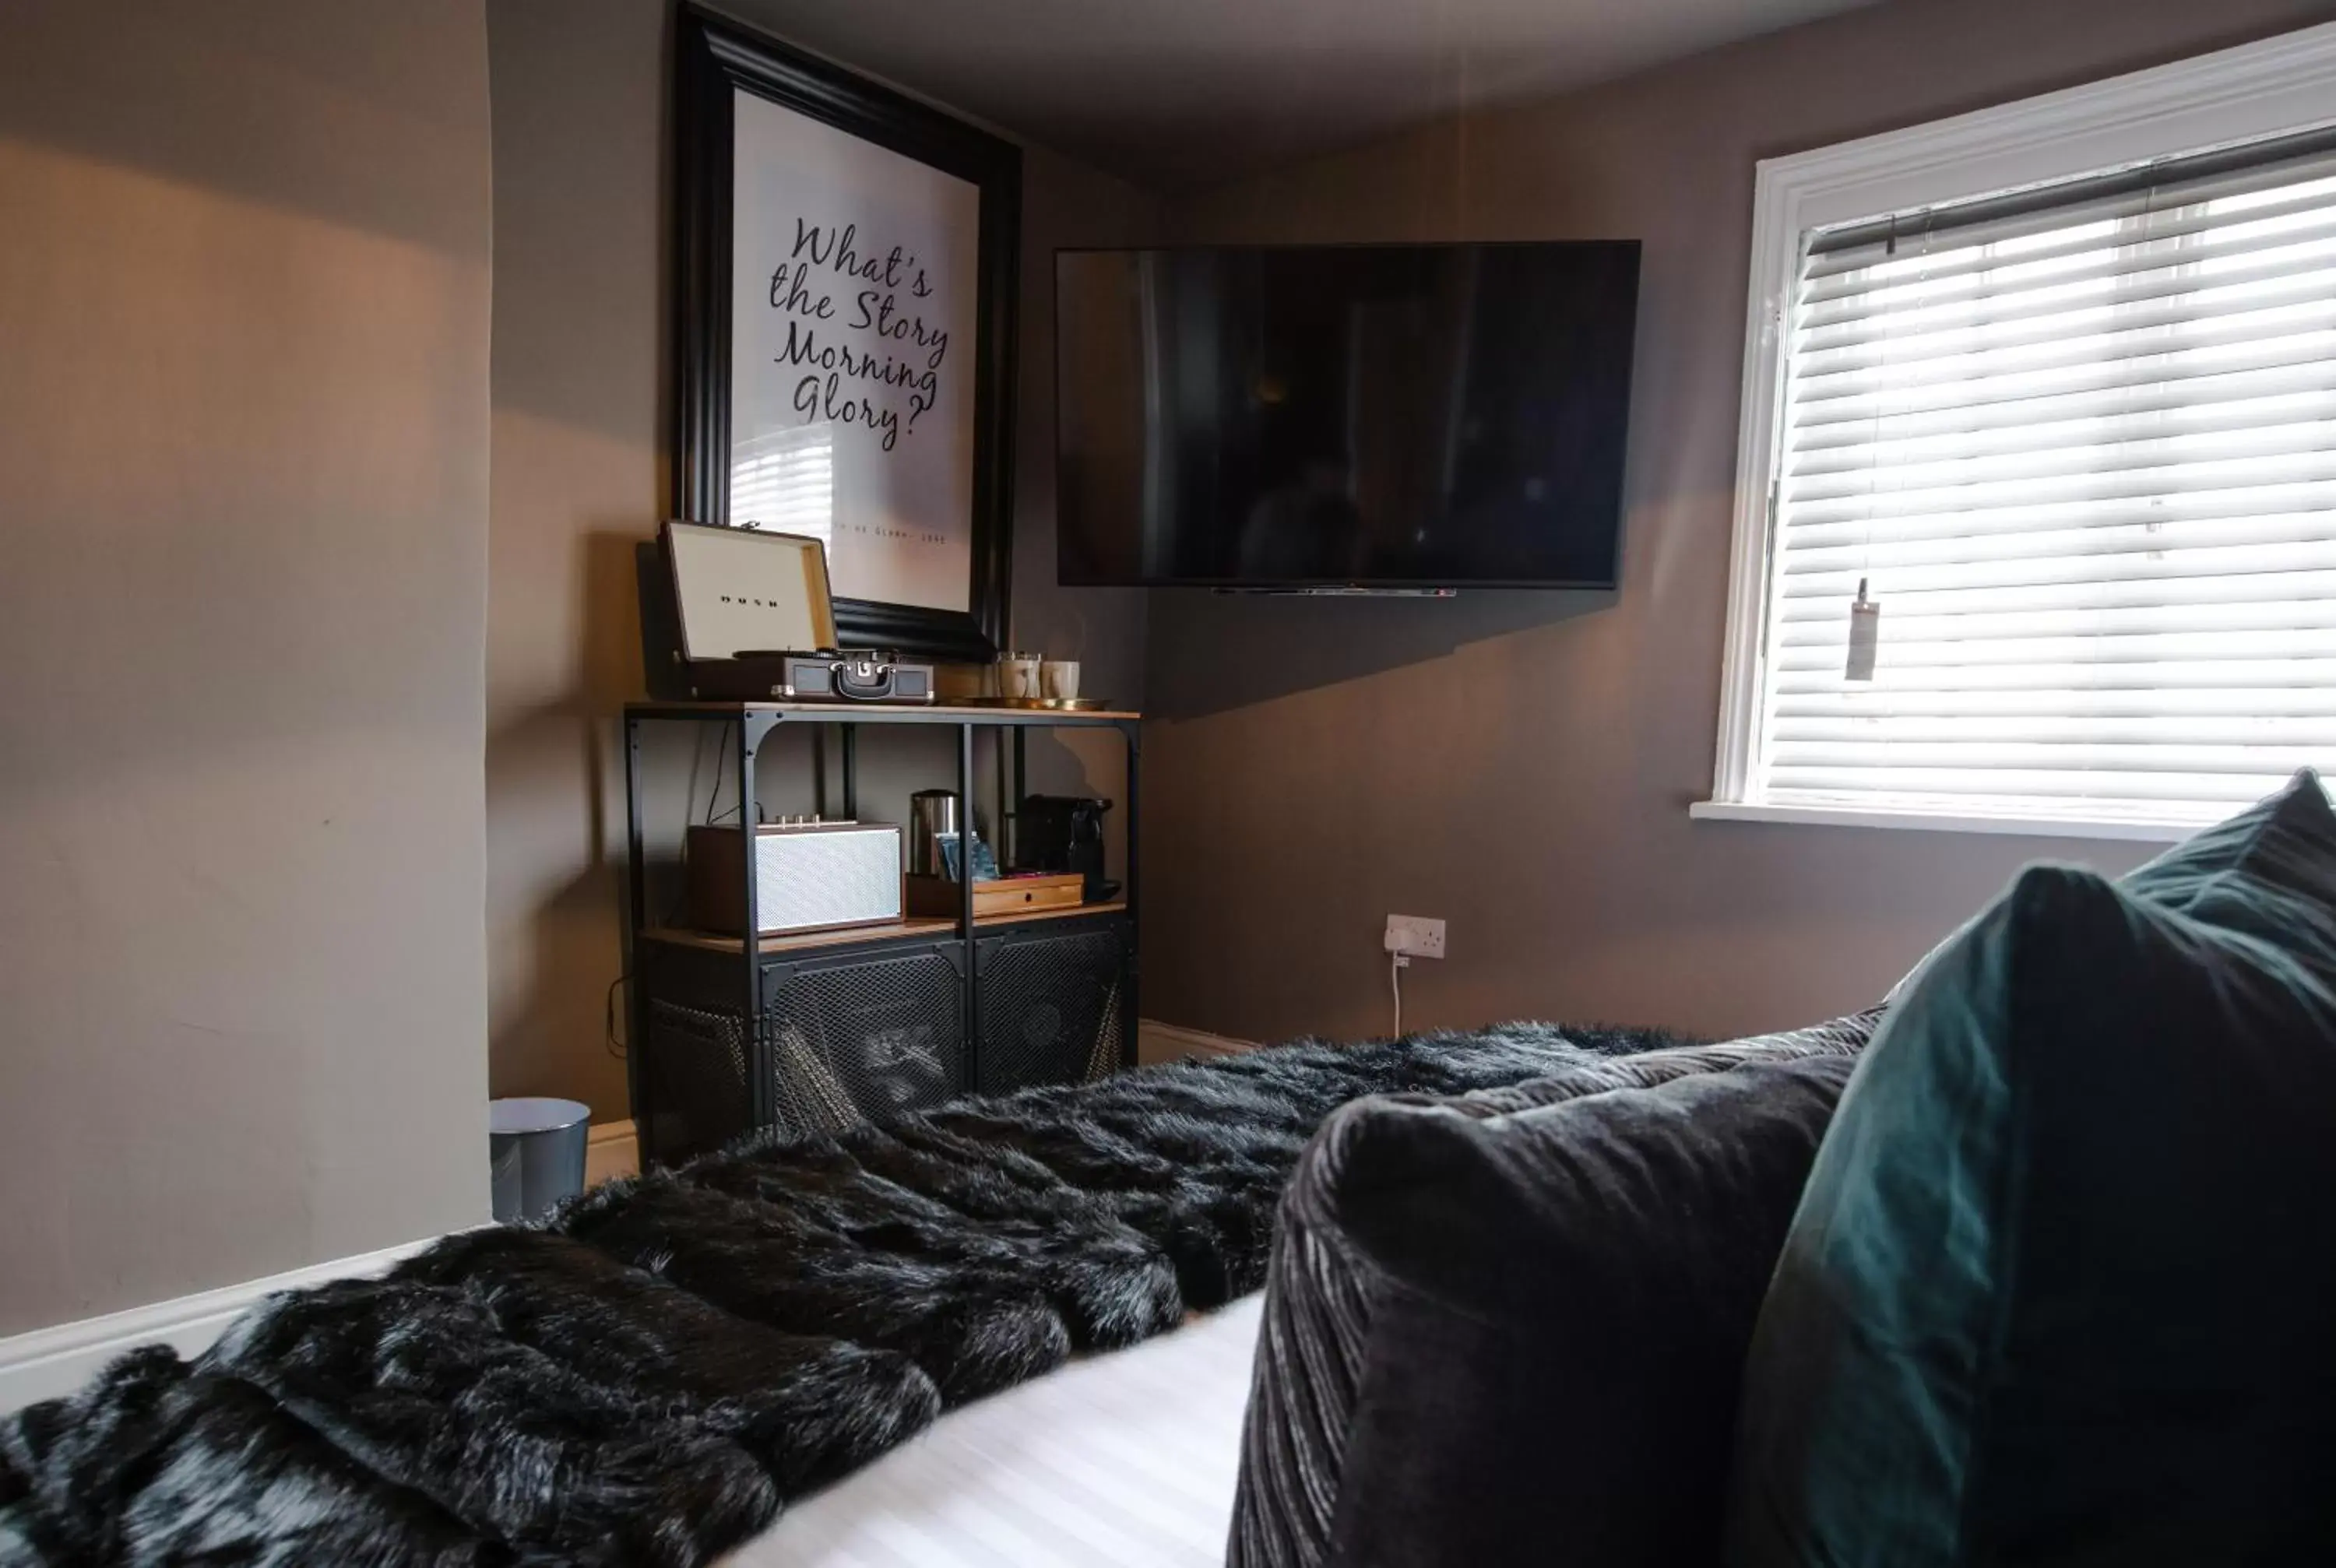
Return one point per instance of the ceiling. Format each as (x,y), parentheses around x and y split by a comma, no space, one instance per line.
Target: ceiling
(1178,93)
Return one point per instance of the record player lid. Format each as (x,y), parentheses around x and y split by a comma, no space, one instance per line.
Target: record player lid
(742,590)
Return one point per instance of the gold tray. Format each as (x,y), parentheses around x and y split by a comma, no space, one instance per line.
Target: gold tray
(1058,704)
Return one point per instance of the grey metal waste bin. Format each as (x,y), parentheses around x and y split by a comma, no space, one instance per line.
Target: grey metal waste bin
(535,1149)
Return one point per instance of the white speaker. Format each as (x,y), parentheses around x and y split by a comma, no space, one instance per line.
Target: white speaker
(808,877)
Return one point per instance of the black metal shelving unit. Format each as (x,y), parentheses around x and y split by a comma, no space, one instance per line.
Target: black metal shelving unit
(816,1030)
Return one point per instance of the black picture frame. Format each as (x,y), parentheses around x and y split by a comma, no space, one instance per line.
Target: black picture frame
(714,57)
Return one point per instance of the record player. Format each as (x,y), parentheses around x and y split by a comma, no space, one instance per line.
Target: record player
(754,622)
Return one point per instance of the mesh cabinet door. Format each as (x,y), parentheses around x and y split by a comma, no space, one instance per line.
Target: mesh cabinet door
(865,1039)
(1050,1007)
(696,1058)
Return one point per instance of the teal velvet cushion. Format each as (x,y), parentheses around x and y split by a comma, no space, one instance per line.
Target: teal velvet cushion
(2285,843)
(2264,858)
(2063,1286)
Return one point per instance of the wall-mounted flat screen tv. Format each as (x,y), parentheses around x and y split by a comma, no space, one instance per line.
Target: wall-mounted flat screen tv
(1386,416)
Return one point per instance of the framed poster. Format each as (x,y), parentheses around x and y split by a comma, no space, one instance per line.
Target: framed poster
(846,262)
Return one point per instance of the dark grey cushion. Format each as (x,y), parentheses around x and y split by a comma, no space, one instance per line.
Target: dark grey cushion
(1509,1323)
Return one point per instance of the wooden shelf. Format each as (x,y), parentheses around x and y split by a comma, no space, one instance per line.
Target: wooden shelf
(891,930)
(883,713)
(797,942)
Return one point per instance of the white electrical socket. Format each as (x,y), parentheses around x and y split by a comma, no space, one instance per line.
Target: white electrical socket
(1415,935)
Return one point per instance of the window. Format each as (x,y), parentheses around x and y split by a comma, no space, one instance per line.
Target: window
(2074,437)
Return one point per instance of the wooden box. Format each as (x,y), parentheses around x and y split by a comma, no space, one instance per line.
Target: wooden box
(940,897)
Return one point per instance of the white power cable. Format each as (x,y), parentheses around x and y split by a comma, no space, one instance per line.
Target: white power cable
(1397,964)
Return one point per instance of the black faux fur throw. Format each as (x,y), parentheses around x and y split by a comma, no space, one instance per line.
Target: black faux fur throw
(649,1377)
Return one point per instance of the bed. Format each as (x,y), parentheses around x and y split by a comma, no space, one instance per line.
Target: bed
(962,1336)
(1127,1458)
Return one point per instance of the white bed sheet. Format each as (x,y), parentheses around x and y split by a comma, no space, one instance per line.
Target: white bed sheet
(1126,1460)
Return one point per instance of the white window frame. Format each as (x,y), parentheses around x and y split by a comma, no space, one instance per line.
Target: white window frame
(2276,87)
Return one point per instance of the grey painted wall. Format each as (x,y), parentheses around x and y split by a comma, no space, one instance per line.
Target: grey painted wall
(580,415)
(580,423)
(1521,764)
(243,510)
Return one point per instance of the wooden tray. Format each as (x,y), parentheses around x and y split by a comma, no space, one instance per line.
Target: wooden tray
(939,896)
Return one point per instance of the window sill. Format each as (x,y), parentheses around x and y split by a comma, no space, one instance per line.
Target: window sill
(1943,822)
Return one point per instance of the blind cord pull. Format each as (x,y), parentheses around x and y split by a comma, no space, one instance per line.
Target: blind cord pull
(1864,635)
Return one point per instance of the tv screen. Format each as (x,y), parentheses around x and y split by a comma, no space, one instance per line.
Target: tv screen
(1364,416)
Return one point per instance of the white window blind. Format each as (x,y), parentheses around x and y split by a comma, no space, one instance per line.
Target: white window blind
(784,481)
(2081,445)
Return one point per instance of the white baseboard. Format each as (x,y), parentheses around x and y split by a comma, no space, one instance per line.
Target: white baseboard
(1159,1042)
(57,1361)
(612,1152)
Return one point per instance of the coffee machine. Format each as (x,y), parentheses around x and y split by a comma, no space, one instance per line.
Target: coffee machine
(1063,834)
